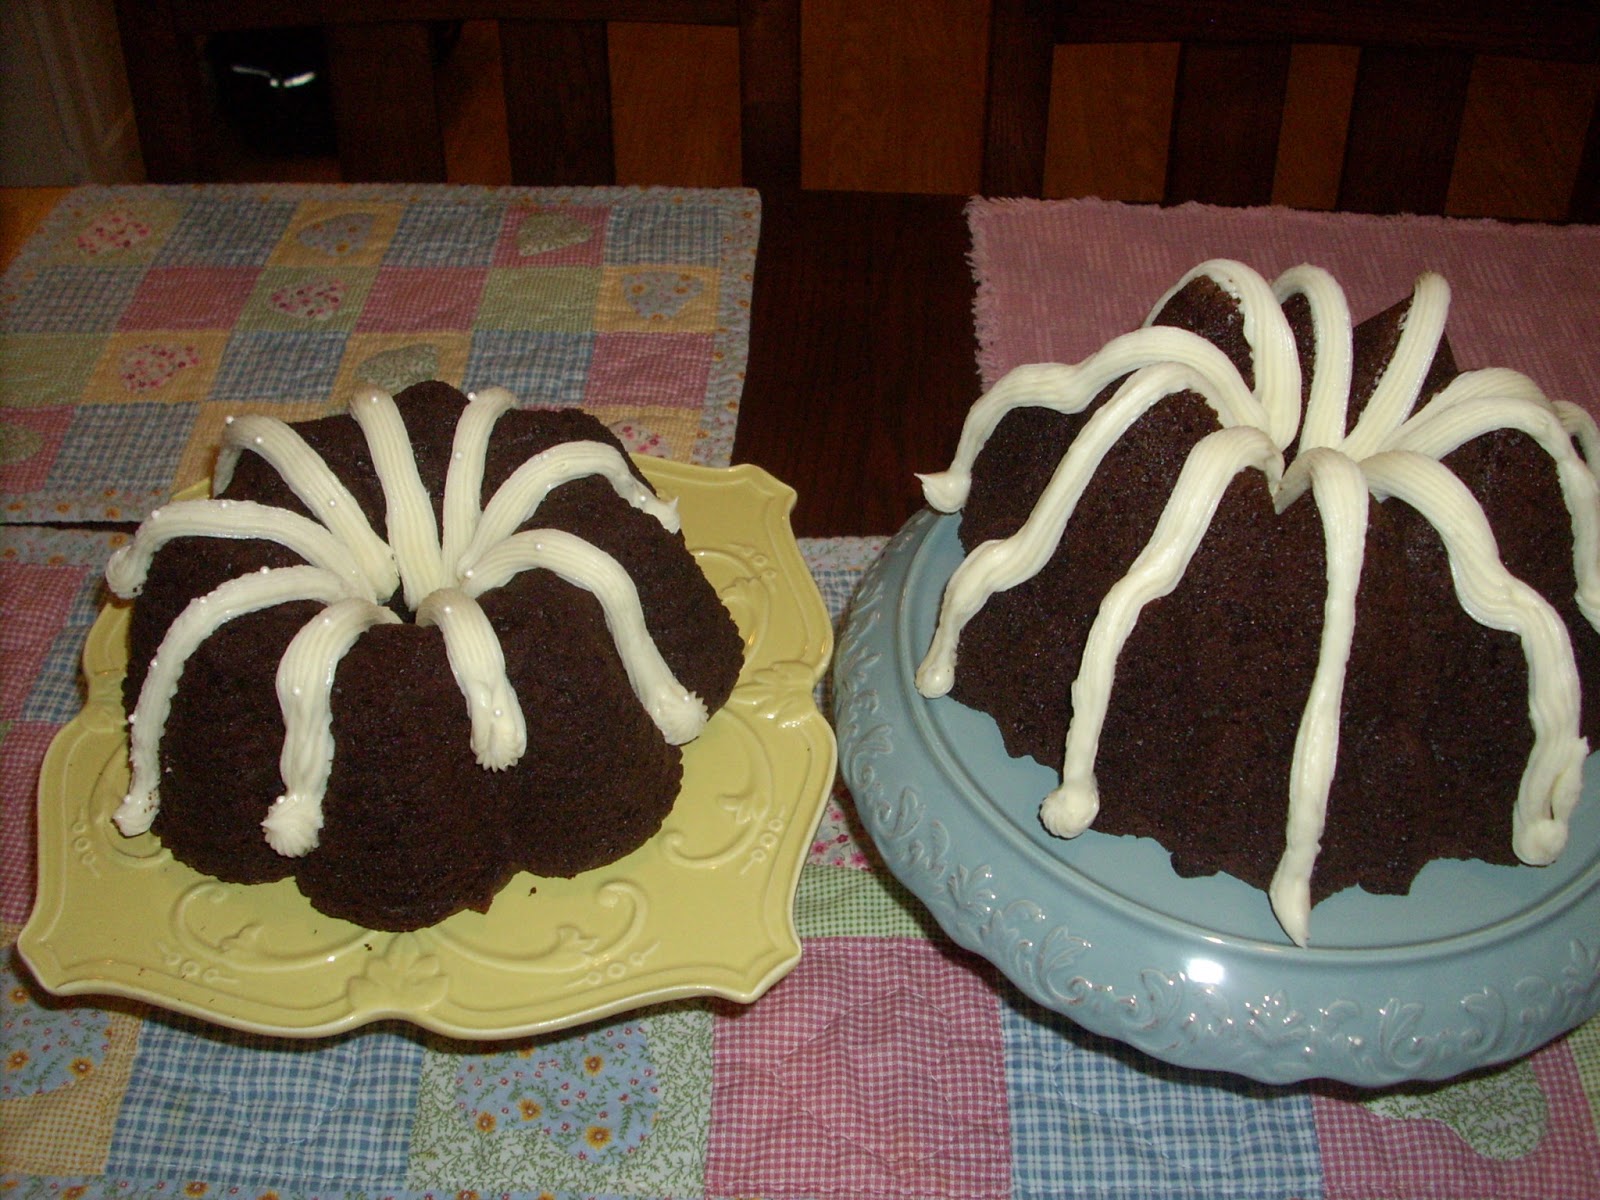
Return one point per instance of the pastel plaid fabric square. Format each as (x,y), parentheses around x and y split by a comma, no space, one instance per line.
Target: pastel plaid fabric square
(134,309)
(875,1069)
(211,1104)
(1092,1118)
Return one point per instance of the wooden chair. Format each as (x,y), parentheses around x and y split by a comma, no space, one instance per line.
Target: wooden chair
(556,82)
(1411,89)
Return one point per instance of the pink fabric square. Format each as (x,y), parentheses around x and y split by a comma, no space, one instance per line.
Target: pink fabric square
(553,236)
(667,370)
(1059,278)
(190,298)
(36,434)
(22,748)
(35,600)
(417,299)
(1365,1154)
(873,1071)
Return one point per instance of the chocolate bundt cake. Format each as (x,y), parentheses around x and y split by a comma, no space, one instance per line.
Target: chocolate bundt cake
(403,654)
(1298,600)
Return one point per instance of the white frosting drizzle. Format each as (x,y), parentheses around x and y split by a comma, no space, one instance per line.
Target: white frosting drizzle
(1210,467)
(1400,386)
(1001,564)
(317,487)
(676,711)
(198,621)
(1341,495)
(305,694)
(519,497)
(1334,356)
(1391,451)
(129,566)
(499,734)
(1071,389)
(1492,596)
(354,570)
(463,484)
(1275,359)
(408,510)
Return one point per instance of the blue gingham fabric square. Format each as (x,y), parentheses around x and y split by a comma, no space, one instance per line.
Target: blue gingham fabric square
(71,299)
(1091,1117)
(665,233)
(204,1103)
(222,232)
(273,366)
(145,440)
(543,370)
(58,690)
(446,235)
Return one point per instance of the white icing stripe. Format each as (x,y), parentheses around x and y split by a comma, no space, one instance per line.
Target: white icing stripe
(519,497)
(317,487)
(1435,433)
(1492,596)
(463,484)
(1071,389)
(1341,496)
(1326,403)
(1400,386)
(1581,426)
(1215,460)
(1275,361)
(129,566)
(676,711)
(1000,564)
(198,621)
(305,691)
(499,734)
(413,529)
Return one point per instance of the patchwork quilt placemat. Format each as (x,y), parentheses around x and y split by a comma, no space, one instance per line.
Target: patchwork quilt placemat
(137,318)
(888,1066)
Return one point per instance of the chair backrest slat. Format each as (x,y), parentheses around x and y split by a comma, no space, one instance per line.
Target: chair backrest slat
(558,102)
(1227,111)
(1406,116)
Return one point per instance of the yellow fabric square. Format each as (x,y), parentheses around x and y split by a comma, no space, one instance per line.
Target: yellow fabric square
(153,366)
(392,361)
(68,1130)
(200,452)
(650,298)
(657,431)
(337,232)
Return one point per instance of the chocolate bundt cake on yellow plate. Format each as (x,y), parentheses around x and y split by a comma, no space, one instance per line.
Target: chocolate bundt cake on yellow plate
(404,657)
(1291,601)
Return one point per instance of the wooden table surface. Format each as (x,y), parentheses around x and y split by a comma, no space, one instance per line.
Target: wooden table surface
(862,349)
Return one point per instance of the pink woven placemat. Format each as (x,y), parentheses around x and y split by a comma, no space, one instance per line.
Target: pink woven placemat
(1057,278)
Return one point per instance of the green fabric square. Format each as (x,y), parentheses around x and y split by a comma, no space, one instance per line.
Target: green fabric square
(301,299)
(47,370)
(548,299)
(848,902)
(621,1107)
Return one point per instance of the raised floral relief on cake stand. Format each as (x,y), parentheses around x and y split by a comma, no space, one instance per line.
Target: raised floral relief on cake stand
(1477,965)
(703,908)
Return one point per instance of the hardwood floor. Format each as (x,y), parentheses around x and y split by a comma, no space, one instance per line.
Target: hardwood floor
(894,102)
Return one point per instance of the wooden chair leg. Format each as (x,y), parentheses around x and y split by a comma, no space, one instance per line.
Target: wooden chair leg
(386,114)
(769,85)
(558,102)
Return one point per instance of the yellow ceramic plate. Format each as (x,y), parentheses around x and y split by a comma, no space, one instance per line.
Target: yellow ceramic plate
(704,908)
